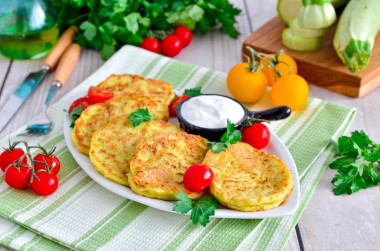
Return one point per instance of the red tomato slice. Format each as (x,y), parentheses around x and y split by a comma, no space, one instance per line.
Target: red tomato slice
(83,102)
(98,95)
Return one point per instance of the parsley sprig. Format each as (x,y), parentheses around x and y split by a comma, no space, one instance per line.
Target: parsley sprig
(193,91)
(358,164)
(231,136)
(201,209)
(75,114)
(141,115)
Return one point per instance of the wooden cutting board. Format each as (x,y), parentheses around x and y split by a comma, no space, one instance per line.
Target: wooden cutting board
(322,67)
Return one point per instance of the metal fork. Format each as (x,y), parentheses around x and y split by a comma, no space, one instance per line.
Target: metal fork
(43,124)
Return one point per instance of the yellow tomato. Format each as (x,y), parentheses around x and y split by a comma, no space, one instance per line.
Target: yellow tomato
(291,90)
(281,67)
(246,86)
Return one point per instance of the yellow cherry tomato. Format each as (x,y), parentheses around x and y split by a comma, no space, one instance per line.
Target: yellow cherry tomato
(291,90)
(280,66)
(246,86)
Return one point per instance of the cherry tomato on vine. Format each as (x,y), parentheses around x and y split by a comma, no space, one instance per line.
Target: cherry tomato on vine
(18,177)
(184,34)
(150,44)
(175,102)
(83,102)
(257,135)
(51,160)
(284,64)
(171,46)
(291,90)
(98,95)
(197,177)
(8,156)
(246,86)
(45,183)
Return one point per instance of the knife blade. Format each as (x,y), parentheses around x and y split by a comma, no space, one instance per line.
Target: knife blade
(15,101)
(18,98)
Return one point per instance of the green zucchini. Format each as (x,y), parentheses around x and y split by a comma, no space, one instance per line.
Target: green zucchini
(356,32)
(299,31)
(300,43)
(316,14)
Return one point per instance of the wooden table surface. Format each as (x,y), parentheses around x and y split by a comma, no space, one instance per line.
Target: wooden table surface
(329,222)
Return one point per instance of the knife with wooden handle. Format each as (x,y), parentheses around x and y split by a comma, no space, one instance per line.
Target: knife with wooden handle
(16,100)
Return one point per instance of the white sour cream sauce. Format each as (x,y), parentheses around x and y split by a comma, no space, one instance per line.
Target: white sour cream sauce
(211,111)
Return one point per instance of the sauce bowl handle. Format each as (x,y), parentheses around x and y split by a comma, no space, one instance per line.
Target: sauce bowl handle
(275,113)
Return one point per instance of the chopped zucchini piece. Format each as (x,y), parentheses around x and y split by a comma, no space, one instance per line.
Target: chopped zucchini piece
(316,14)
(300,43)
(299,31)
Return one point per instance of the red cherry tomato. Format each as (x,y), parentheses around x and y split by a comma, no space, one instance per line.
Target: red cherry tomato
(45,183)
(18,177)
(8,156)
(257,135)
(171,46)
(52,162)
(83,102)
(150,44)
(184,34)
(197,177)
(175,102)
(98,95)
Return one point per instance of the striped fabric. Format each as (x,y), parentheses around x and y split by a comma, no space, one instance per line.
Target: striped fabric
(82,215)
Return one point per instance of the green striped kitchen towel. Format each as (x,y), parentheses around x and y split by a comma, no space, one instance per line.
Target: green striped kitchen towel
(82,215)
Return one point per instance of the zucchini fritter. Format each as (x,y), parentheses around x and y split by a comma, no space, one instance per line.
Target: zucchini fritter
(98,115)
(159,163)
(247,179)
(112,146)
(128,84)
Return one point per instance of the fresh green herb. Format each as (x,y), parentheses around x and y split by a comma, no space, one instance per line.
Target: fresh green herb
(74,114)
(201,209)
(107,25)
(359,159)
(141,115)
(231,136)
(193,92)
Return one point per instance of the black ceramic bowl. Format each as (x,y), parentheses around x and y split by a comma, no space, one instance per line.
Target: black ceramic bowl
(214,134)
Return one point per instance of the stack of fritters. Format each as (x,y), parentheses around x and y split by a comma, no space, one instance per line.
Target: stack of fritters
(131,92)
(112,146)
(247,179)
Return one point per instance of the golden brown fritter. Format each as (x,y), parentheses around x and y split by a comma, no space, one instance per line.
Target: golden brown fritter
(128,84)
(112,146)
(98,115)
(159,163)
(247,179)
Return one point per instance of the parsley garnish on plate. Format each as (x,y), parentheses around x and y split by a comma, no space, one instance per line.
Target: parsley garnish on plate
(201,209)
(141,115)
(231,136)
(75,114)
(359,159)
(193,91)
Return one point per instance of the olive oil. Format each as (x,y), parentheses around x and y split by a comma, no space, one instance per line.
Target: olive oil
(27,28)
(30,46)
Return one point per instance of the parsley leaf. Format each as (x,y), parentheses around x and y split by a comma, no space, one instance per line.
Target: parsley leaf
(201,209)
(359,156)
(193,92)
(142,115)
(231,136)
(74,114)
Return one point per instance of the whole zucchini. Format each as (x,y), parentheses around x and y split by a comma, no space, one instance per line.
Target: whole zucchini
(356,32)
